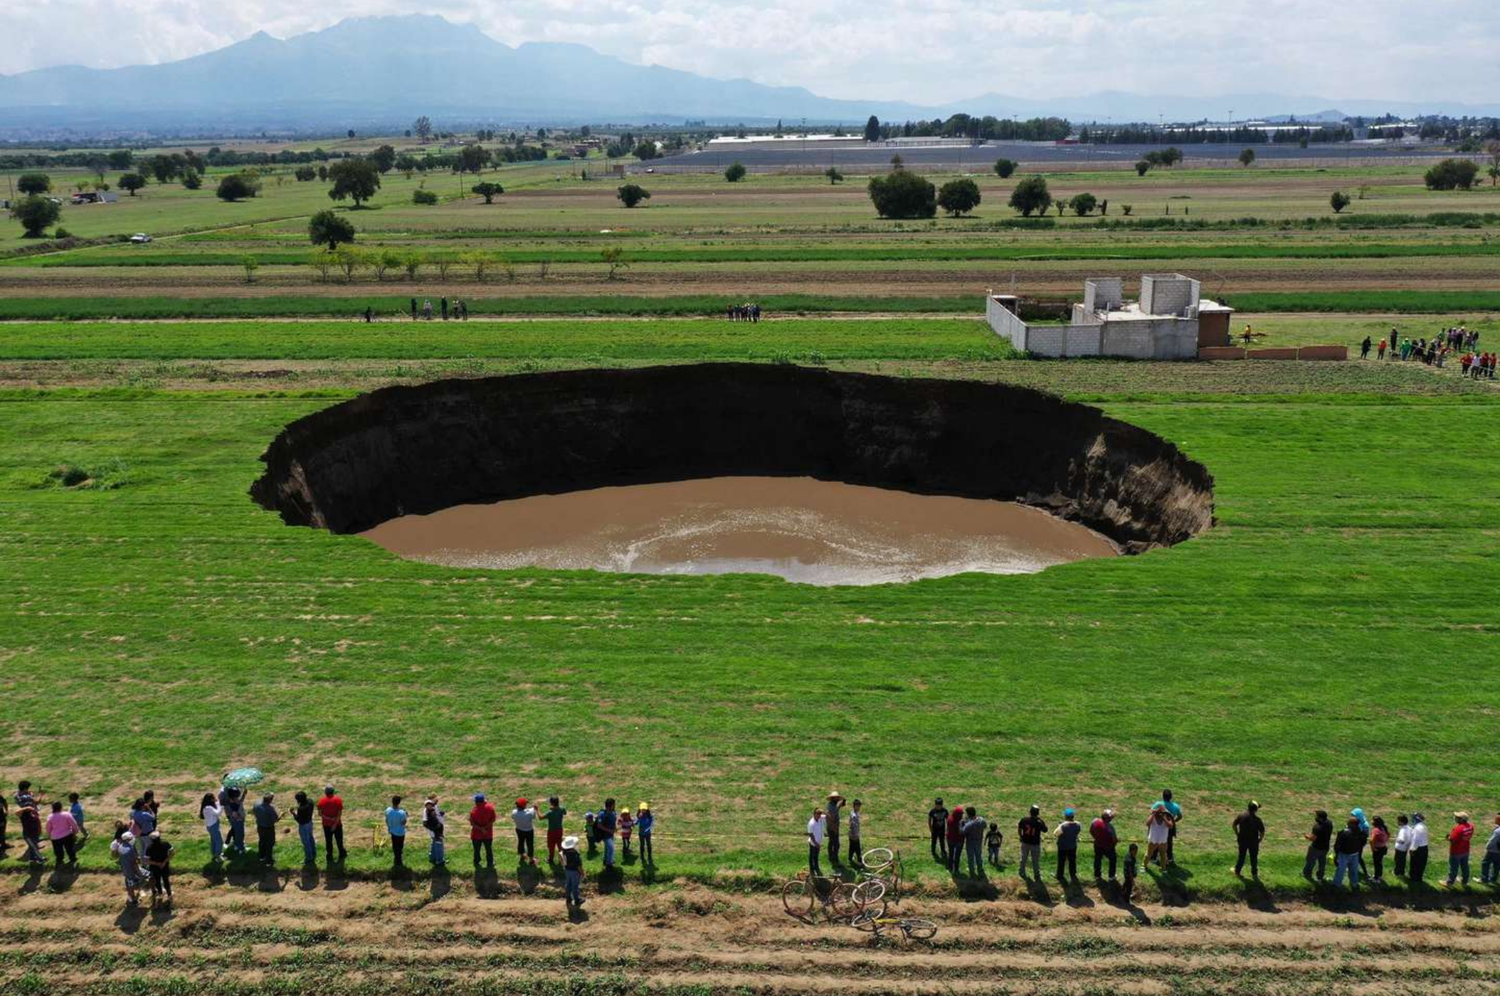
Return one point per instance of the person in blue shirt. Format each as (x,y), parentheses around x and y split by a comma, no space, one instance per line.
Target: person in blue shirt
(604,826)
(75,807)
(1174,811)
(395,825)
(644,822)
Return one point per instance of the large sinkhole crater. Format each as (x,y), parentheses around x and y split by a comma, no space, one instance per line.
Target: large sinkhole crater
(714,437)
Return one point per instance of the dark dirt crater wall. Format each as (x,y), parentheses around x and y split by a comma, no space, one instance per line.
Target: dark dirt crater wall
(411,450)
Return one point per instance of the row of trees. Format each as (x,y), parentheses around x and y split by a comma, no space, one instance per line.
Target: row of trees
(979,129)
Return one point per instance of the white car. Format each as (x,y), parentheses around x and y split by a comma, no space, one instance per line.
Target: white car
(140,238)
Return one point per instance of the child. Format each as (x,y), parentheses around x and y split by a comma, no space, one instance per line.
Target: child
(76,808)
(627,823)
(993,841)
(588,832)
(1127,890)
(645,822)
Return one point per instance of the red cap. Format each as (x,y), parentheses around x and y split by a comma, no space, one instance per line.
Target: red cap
(521,803)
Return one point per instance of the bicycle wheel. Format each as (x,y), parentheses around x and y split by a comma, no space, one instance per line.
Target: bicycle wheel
(799,898)
(842,904)
(877,858)
(871,890)
(868,922)
(919,929)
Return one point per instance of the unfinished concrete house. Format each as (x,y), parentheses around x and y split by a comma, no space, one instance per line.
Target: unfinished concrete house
(1171,321)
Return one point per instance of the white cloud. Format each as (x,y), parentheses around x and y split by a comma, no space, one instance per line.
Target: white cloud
(928,51)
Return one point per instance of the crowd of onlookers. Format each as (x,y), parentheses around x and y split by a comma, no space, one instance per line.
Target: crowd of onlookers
(1436,351)
(145,856)
(743,312)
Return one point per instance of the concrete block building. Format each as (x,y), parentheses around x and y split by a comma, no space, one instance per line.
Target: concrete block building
(1170,322)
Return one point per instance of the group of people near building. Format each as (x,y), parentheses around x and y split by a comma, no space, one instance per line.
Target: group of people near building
(743,312)
(1435,352)
(459,310)
(144,855)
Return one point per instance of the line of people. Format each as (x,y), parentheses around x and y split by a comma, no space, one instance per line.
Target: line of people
(459,309)
(1434,352)
(743,312)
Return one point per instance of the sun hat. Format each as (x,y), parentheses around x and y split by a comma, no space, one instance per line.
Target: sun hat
(834,794)
(127,837)
(1461,816)
(570,843)
(1110,813)
(644,805)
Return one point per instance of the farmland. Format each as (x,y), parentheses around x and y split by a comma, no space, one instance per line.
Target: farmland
(1329,643)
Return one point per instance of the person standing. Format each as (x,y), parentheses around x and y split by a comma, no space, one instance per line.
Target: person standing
(1106,843)
(835,817)
(1127,887)
(1403,844)
(1380,837)
(302,815)
(1158,834)
(973,828)
(482,829)
(1489,869)
(331,812)
(524,817)
(856,849)
(817,829)
(27,810)
(1364,349)
(4,821)
(427,309)
(1174,811)
(123,848)
(1029,831)
(413,309)
(266,818)
(1319,839)
(445,309)
(573,870)
(555,815)
(1067,834)
(159,867)
(627,825)
(1346,850)
(210,812)
(75,810)
(955,833)
(234,811)
(369,314)
(604,826)
(1459,842)
(1249,831)
(644,823)
(395,826)
(436,824)
(1416,866)
(62,831)
(142,822)
(937,818)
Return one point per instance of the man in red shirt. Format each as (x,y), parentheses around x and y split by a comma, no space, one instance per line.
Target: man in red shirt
(482,830)
(1458,847)
(331,809)
(1106,838)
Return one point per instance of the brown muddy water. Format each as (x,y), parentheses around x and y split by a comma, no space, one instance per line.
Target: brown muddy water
(803,530)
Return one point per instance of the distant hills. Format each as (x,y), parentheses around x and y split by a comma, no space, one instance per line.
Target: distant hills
(383,71)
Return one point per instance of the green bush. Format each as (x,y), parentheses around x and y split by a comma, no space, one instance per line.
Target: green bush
(903,195)
(424,197)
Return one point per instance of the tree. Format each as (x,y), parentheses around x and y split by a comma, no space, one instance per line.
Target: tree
(903,195)
(1005,168)
(1083,204)
(1031,195)
(734,172)
(121,160)
(349,258)
(614,258)
(420,196)
(1247,157)
(872,129)
(236,186)
(489,191)
(1142,167)
(473,159)
(351,133)
(34,183)
(959,196)
(250,265)
(305,174)
(328,228)
(1452,174)
(384,158)
(323,171)
(385,259)
(131,182)
(632,194)
(646,150)
(356,179)
(1492,149)
(897,163)
(191,180)
(165,168)
(834,176)
(1338,201)
(35,213)
(423,127)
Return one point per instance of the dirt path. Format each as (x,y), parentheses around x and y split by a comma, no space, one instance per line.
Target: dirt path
(313,934)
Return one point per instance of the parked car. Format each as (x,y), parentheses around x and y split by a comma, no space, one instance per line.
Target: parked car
(140,238)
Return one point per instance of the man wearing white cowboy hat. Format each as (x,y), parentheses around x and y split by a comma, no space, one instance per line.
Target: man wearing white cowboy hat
(835,804)
(573,868)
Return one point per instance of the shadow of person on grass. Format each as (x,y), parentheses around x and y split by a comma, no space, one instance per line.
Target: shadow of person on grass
(62,879)
(528,877)
(33,880)
(1037,890)
(130,919)
(486,883)
(609,881)
(307,878)
(440,883)
(577,915)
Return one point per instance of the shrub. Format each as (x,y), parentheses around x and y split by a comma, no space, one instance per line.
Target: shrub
(35,213)
(735,172)
(424,197)
(1142,167)
(1452,174)
(1338,201)
(903,195)
(62,233)
(1031,195)
(1005,168)
(305,173)
(834,176)
(1083,204)
(236,186)
(191,180)
(959,196)
(632,194)
(328,228)
(489,191)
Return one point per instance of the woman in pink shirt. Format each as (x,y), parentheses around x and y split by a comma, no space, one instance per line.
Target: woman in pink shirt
(62,829)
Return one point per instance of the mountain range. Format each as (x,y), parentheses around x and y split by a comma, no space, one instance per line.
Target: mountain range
(372,72)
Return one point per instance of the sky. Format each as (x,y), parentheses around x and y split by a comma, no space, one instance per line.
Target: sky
(925,51)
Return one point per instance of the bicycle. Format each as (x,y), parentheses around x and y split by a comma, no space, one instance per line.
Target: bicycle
(881,864)
(806,897)
(912,928)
